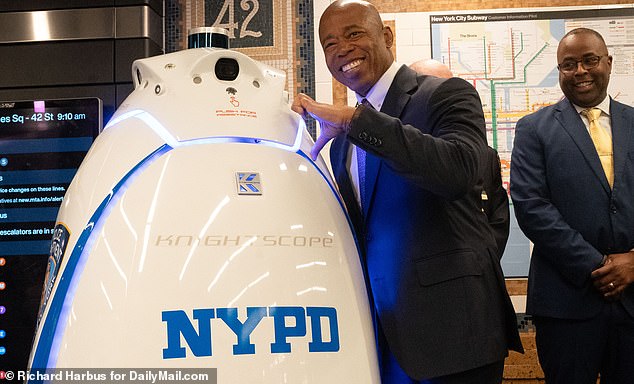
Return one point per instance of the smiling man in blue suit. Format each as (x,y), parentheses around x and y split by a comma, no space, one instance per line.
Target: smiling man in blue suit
(572,183)
(407,163)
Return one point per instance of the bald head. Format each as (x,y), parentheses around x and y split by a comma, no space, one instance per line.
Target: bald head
(361,10)
(431,67)
(356,44)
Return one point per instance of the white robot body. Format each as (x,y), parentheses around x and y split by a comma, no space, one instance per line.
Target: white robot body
(197,233)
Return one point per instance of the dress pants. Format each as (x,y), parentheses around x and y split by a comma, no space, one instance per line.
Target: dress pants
(577,351)
(391,372)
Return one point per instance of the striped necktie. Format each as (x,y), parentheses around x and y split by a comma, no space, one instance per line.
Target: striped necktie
(602,142)
(361,171)
(361,164)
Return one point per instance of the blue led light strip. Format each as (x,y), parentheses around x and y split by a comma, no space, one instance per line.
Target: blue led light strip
(55,321)
(170,140)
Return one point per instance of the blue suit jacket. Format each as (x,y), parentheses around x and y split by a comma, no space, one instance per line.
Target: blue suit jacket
(564,205)
(430,256)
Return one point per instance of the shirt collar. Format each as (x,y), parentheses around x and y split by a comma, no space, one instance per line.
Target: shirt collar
(604,106)
(377,93)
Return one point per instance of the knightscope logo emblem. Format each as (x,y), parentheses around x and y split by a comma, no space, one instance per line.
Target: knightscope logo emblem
(248,183)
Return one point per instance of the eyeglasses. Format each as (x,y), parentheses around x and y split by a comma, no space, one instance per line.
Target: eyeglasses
(588,62)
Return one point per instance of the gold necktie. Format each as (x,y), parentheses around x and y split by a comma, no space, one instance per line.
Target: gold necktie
(602,142)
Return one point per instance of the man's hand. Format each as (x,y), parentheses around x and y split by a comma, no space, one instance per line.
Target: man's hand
(333,120)
(615,275)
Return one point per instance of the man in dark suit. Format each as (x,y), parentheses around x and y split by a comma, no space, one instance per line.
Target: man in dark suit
(574,199)
(495,200)
(436,282)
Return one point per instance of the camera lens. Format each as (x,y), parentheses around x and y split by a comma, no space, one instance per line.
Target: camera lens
(227,69)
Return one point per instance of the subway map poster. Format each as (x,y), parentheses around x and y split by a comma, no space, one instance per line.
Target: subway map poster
(510,58)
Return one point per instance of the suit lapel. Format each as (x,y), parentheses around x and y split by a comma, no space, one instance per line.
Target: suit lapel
(571,122)
(621,136)
(338,157)
(395,101)
(372,167)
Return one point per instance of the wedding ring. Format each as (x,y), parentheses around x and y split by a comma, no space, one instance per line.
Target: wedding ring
(611,285)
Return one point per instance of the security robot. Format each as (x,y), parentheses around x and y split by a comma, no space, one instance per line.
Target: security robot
(198,233)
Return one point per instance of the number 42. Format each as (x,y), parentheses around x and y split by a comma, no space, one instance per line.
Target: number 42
(231,25)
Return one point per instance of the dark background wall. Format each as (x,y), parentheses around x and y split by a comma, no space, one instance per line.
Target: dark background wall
(72,48)
(58,49)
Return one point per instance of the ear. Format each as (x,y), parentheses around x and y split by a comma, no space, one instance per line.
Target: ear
(388,36)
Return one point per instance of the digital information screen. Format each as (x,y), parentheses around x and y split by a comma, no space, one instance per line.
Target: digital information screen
(42,143)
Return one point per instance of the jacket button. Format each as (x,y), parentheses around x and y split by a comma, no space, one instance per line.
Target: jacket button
(613,209)
(363,136)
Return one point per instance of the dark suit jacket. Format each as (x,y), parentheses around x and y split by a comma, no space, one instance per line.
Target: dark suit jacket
(496,204)
(431,262)
(564,205)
